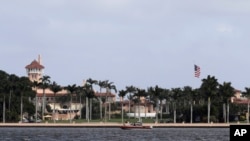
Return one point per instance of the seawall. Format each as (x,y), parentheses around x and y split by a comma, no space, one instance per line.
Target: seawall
(114,125)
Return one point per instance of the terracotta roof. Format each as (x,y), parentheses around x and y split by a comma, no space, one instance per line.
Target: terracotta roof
(104,94)
(132,102)
(47,95)
(236,90)
(241,101)
(34,65)
(51,94)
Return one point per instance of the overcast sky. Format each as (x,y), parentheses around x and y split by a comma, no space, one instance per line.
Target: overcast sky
(129,42)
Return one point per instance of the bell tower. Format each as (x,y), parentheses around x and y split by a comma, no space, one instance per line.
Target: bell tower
(35,70)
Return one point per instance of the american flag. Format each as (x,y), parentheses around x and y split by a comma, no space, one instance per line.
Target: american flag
(197,71)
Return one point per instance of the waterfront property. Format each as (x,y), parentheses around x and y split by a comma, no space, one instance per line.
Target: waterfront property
(64,110)
(67,111)
(143,109)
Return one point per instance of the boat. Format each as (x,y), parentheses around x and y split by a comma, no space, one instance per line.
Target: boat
(137,125)
(128,127)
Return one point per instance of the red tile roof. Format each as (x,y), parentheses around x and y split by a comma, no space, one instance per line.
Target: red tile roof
(104,94)
(51,94)
(241,101)
(236,90)
(34,65)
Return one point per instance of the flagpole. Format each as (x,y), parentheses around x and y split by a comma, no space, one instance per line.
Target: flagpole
(196,75)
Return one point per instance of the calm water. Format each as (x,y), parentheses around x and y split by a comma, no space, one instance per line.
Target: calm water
(114,134)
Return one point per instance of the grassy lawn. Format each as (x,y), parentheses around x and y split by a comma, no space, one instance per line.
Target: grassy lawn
(116,120)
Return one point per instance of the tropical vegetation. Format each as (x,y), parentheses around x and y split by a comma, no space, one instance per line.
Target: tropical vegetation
(208,103)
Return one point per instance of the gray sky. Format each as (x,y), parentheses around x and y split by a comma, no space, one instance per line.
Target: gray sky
(129,42)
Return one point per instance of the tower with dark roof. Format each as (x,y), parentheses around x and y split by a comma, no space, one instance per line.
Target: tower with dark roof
(35,70)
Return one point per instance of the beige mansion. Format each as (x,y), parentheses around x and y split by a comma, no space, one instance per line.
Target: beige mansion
(63,111)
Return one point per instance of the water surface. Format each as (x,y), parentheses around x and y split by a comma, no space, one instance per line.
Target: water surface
(114,134)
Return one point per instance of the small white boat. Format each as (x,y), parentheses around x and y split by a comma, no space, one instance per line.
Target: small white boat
(137,125)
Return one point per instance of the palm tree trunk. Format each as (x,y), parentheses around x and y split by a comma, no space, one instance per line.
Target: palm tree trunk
(100,99)
(80,107)
(191,113)
(105,111)
(227,112)
(36,108)
(109,110)
(10,99)
(167,107)
(100,108)
(139,110)
(43,105)
(21,107)
(161,108)
(224,112)
(90,106)
(87,109)
(157,111)
(70,110)
(54,115)
(129,107)
(174,113)
(4,109)
(248,112)
(122,109)
(208,111)
(134,111)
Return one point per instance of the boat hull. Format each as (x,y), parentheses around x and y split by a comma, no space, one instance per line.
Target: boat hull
(135,127)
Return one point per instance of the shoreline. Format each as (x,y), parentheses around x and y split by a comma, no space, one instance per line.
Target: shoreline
(115,125)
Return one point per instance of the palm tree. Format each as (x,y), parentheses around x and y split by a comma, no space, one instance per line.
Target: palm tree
(189,95)
(36,84)
(54,88)
(146,103)
(110,86)
(246,93)
(209,88)
(91,82)
(226,91)
(80,93)
(18,89)
(167,94)
(3,88)
(122,94)
(138,94)
(131,90)
(44,83)
(175,95)
(156,92)
(25,88)
(71,90)
(162,96)
(12,84)
(89,94)
(101,85)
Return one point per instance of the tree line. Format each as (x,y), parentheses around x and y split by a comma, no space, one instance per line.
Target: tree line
(208,103)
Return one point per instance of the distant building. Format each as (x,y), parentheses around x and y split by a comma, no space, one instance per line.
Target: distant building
(239,99)
(63,111)
(35,70)
(146,108)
